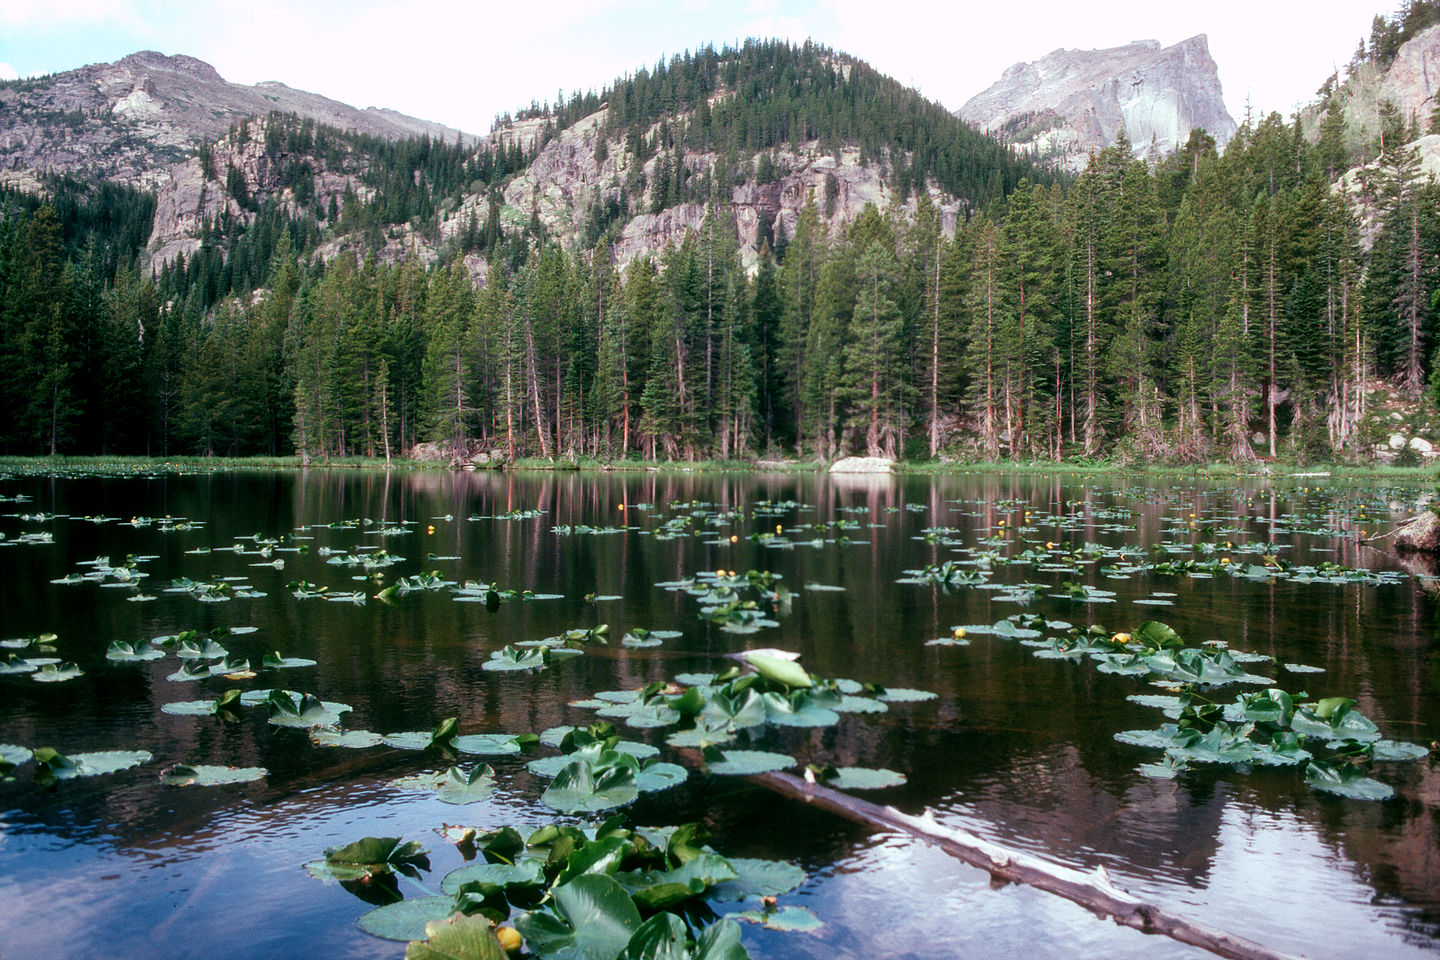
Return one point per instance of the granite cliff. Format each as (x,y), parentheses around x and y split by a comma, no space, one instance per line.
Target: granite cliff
(1071,103)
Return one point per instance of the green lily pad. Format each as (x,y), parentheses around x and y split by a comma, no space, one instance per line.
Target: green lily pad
(494,877)
(1346,781)
(205,775)
(57,673)
(1397,750)
(863,778)
(853,704)
(782,712)
(12,755)
(512,657)
(594,918)
(368,857)
(190,708)
(663,889)
(407,919)
(121,652)
(206,649)
(93,764)
(488,744)
(757,878)
(660,776)
(274,661)
(459,937)
(459,787)
(748,762)
(904,695)
(577,789)
(333,737)
(786,919)
(289,709)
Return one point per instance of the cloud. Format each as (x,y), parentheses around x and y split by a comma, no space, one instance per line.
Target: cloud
(8,72)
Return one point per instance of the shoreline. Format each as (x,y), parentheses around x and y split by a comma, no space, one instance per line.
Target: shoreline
(1209,470)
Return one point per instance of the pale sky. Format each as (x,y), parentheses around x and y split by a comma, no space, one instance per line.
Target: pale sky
(461,63)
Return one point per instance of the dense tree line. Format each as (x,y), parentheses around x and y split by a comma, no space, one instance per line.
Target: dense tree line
(1231,304)
(747,101)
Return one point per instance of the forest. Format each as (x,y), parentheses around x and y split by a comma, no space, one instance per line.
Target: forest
(1232,304)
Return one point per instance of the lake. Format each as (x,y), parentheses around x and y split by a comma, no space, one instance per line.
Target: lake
(1016,746)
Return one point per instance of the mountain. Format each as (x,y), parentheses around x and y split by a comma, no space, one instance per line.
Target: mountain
(762,130)
(128,121)
(1071,103)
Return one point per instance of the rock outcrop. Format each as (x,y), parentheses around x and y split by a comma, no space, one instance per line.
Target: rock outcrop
(1409,83)
(569,176)
(131,120)
(1071,103)
(863,465)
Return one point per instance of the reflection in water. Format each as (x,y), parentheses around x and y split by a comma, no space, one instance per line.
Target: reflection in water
(1015,747)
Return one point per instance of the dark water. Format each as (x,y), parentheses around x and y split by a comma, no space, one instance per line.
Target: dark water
(1017,748)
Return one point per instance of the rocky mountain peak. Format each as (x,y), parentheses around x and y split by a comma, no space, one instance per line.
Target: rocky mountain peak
(153,60)
(1070,103)
(130,120)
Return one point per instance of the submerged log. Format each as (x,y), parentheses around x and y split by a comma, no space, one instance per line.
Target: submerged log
(1091,890)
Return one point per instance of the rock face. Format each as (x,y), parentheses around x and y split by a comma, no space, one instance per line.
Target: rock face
(129,121)
(1410,83)
(1070,103)
(566,180)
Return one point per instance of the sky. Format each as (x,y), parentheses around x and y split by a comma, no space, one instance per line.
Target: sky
(463,63)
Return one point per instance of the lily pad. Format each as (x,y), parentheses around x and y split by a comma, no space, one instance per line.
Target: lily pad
(863,778)
(12,755)
(121,652)
(333,737)
(493,877)
(274,661)
(660,776)
(748,762)
(577,789)
(488,744)
(1346,781)
(190,708)
(757,878)
(460,787)
(512,657)
(57,673)
(205,775)
(664,937)
(1397,750)
(94,764)
(786,919)
(594,918)
(368,857)
(459,937)
(407,919)
(288,709)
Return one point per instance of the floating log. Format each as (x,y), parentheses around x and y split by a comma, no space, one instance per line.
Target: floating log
(1091,890)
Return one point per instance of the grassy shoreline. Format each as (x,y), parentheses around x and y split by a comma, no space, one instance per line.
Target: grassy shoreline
(1213,470)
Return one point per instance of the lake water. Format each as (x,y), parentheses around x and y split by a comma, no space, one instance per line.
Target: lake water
(1015,747)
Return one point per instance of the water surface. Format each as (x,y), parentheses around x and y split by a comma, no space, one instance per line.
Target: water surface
(1017,748)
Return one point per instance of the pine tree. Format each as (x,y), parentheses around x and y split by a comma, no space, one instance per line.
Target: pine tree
(874,355)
